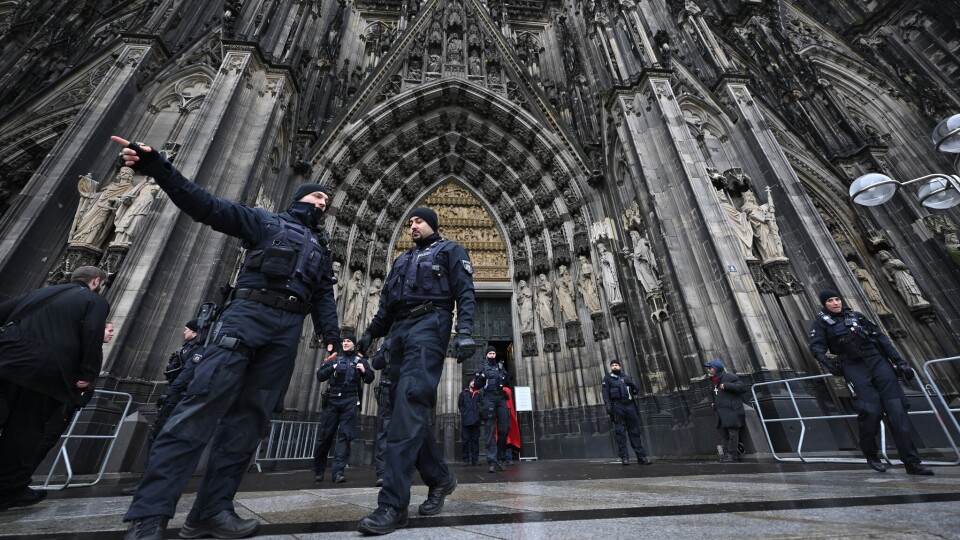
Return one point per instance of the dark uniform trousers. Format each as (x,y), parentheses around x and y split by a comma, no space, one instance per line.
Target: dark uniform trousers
(496,425)
(384,413)
(341,412)
(23,416)
(419,345)
(470,439)
(878,392)
(627,422)
(232,396)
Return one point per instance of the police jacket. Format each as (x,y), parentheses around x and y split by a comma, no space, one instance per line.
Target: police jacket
(181,358)
(617,389)
(191,355)
(492,378)
(284,254)
(344,377)
(437,271)
(58,343)
(469,406)
(849,335)
(727,401)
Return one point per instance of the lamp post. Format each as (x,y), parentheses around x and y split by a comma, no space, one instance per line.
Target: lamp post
(940,191)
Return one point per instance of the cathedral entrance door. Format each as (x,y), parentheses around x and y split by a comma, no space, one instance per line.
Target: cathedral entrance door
(492,325)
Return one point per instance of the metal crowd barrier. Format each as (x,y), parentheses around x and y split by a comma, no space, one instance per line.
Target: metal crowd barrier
(288,440)
(69,435)
(883,443)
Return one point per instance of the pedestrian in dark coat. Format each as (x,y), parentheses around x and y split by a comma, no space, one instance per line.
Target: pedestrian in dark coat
(469,406)
(726,400)
(50,350)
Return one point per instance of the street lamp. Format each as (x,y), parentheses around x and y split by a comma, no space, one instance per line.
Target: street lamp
(940,191)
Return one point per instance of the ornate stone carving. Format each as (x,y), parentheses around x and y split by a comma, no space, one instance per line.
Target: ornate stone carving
(545,302)
(587,288)
(898,274)
(529,347)
(644,262)
(738,224)
(565,295)
(783,281)
(763,282)
(353,301)
(574,334)
(870,289)
(551,340)
(763,224)
(600,331)
(611,284)
(96,210)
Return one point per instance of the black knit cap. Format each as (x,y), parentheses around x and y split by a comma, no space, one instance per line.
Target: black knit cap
(428,215)
(348,335)
(615,361)
(827,294)
(306,189)
(193,325)
(491,348)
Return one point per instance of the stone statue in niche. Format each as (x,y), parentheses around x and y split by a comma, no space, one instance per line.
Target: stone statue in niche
(763,224)
(608,270)
(455,48)
(565,295)
(474,65)
(545,302)
(373,301)
(134,206)
(525,302)
(870,288)
(738,222)
(338,286)
(899,275)
(353,303)
(644,262)
(588,289)
(92,226)
(433,65)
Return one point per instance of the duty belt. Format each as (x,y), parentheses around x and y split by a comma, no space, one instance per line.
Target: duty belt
(342,394)
(416,311)
(274,299)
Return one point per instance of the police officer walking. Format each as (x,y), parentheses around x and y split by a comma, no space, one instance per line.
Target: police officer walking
(246,369)
(416,305)
(347,374)
(384,392)
(618,391)
(492,379)
(469,406)
(863,357)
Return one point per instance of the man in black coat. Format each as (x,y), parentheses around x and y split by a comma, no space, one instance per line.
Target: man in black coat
(50,350)
(726,400)
(246,368)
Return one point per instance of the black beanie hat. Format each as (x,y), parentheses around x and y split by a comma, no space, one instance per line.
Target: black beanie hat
(827,294)
(193,325)
(348,335)
(491,348)
(428,215)
(615,361)
(306,189)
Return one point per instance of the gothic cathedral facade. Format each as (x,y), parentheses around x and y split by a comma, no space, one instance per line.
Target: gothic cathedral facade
(662,182)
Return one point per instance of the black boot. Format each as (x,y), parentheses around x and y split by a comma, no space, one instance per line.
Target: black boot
(644,460)
(148,528)
(875,463)
(918,468)
(24,497)
(226,524)
(436,495)
(624,461)
(495,467)
(727,458)
(383,520)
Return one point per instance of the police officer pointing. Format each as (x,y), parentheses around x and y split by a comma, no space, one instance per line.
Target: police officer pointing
(863,356)
(491,379)
(416,305)
(247,366)
(347,374)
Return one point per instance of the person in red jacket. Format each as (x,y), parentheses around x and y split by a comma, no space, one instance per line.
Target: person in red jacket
(513,435)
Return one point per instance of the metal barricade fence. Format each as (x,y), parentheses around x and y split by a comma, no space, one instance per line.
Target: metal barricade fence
(951,413)
(288,440)
(804,419)
(64,456)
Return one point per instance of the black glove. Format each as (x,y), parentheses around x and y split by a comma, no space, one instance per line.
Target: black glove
(834,367)
(146,158)
(904,371)
(364,343)
(161,400)
(331,347)
(463,347)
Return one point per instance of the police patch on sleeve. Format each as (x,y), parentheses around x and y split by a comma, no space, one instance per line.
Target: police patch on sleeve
(467,266)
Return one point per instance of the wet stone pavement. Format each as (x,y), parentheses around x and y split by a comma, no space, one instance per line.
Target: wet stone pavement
(559,500)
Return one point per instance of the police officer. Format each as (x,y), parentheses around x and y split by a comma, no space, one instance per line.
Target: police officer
(863,357)
(384,392)
(492,379)
(618,391)
(286,274)
(347,374)
(416,305)
(469,406)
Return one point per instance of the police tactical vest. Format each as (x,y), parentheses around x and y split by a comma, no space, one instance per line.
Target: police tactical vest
(420,276)
(291,260)
(493,376)
(345,373)
(846,336)
(617,388)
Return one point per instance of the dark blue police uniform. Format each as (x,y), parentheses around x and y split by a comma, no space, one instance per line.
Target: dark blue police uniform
(181,368)
(342,404)
(491,379)
(618,391)
(246,369)
(385,394)
(863,356)
(416,307)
